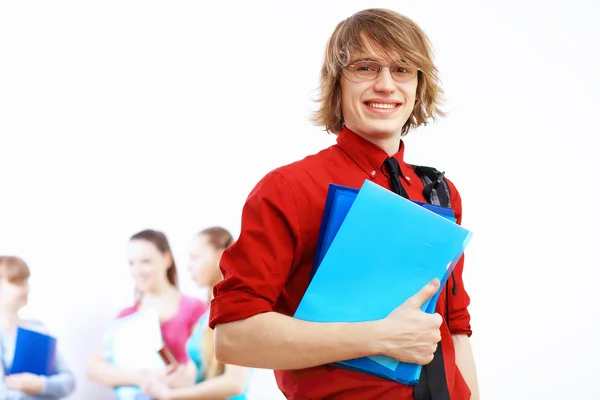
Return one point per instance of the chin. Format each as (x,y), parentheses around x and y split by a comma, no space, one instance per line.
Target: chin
(382,130)
(201,283)
(142,288)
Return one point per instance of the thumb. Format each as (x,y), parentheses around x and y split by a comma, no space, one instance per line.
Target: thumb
(424,294)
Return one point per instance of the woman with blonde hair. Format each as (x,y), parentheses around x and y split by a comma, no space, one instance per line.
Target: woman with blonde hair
(213,379)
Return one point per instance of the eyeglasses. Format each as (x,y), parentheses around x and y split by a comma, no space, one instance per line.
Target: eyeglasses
(362,71)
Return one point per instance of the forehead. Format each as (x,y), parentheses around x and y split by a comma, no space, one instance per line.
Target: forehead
(370,50)
(142,248)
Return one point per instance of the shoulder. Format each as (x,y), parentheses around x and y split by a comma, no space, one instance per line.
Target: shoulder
(192,309)
(284,180)
(454,193)
(429,174)
(455,199)
(35,325)
(308,165)
(192,303)
(193,306)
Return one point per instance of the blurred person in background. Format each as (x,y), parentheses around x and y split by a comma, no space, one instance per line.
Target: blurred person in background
(153,269)
(14,290)
(212,380)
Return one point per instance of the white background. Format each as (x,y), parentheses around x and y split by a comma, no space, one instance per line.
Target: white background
(121,115)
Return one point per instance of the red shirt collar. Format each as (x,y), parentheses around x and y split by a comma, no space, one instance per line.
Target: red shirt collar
(366,155)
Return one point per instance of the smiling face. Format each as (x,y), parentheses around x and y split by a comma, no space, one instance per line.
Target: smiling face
(377,109)
(148,265)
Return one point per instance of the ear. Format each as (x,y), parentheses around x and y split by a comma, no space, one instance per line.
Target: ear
(220,254)
(168,257)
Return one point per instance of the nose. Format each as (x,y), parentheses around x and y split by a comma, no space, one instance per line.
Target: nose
(384,82)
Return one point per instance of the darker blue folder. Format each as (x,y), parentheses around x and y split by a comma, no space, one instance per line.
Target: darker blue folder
(338,203)
(375,250)
(35,353)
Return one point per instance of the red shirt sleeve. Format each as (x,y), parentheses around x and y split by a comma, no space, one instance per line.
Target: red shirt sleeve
(256,267)
(459,319)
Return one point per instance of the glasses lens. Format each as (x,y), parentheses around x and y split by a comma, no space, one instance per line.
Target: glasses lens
(403,73)
(366,70)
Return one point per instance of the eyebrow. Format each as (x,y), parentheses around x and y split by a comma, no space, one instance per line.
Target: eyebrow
(380,61)
(366,57)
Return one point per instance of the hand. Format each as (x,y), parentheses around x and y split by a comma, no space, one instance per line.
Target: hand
(25,382)
(156,389)
(179,375)
(149,375)
(410,335)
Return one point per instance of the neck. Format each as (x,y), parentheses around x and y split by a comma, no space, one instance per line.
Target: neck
(389,144)
(158,291)
(9,319)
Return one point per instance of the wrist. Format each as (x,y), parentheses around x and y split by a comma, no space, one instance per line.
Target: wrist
(139,378)
(364,339)
(41,385)
(168,395)
(377,337)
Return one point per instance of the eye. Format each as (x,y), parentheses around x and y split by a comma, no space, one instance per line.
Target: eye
(366,66)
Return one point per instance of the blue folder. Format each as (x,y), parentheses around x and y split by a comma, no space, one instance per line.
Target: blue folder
(340,199)
(375,250)
(35,352)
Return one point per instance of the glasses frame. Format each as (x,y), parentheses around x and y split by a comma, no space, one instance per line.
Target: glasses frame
(381,67)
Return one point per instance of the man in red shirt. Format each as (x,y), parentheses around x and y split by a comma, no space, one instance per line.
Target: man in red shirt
(377,82)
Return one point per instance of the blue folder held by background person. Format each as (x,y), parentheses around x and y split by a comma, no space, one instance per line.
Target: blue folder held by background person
(35,352)
(376,249)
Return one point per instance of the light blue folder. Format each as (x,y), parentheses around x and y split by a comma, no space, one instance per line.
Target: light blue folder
(377,249)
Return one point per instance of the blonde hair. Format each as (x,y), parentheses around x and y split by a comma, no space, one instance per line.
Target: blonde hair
(13,269)
(219,238)
(395,36)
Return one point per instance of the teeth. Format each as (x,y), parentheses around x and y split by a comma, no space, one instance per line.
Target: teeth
(381,105)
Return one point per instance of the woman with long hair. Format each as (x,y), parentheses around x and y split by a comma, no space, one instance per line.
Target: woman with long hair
(153,269)
(213,380)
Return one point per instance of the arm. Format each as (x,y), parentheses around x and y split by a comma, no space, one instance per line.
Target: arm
(231,383)
(459,319)
(15,394)
(182,376)
(276,341)
(248,332)
(10,394)
(9,387)
(255,268)
(101,371)
(60,384)
(466,363)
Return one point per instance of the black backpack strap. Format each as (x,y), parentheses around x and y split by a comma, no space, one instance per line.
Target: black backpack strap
(432,382)
(436,189)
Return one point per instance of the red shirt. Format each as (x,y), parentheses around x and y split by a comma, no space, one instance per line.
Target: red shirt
(268,268)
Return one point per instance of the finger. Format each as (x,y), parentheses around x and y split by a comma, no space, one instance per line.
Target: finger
(424,294)
(170,369)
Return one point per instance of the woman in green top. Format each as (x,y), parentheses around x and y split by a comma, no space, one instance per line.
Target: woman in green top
(212,379)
